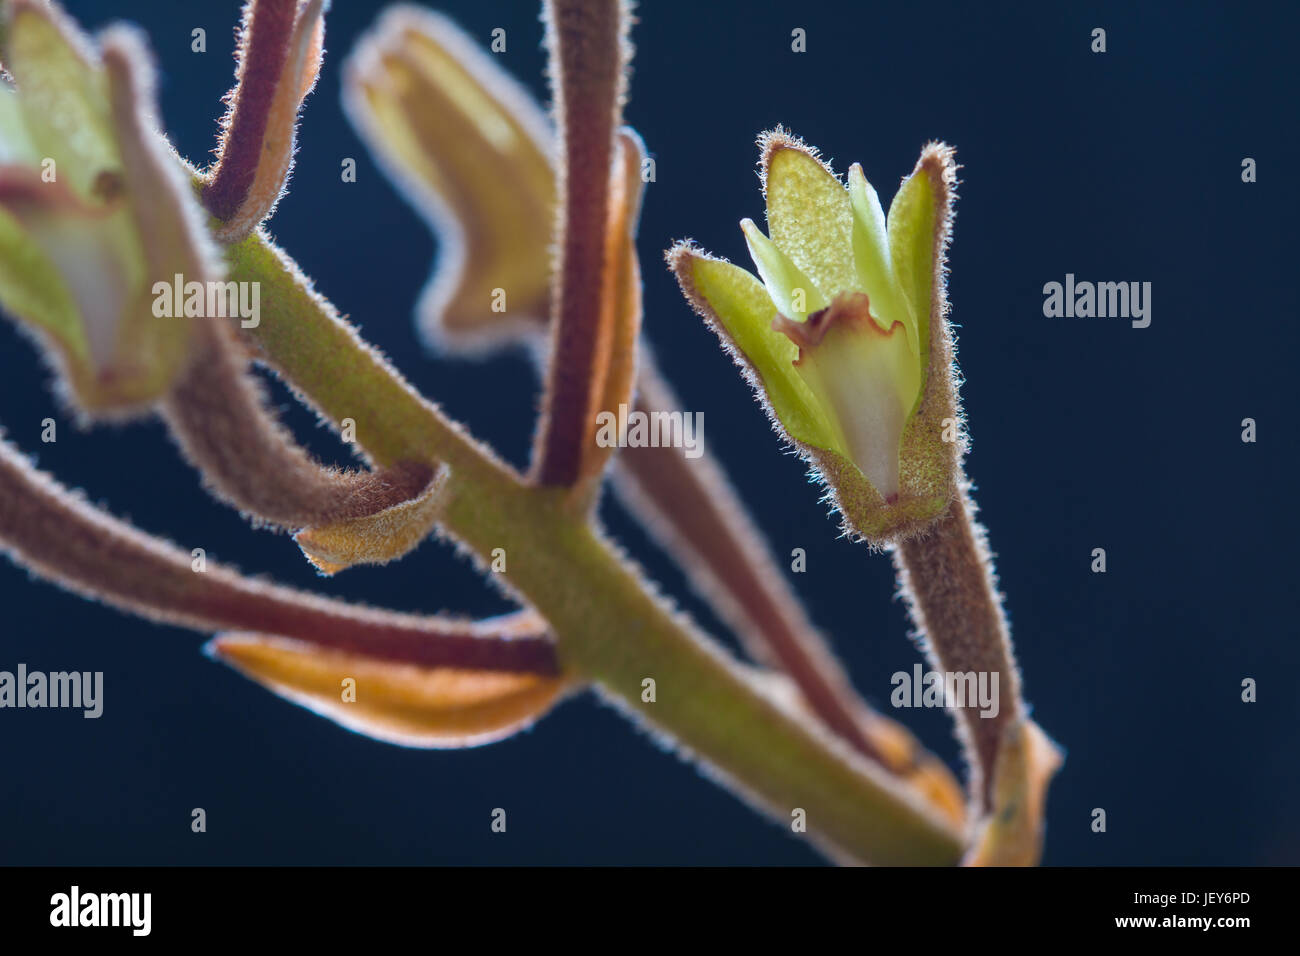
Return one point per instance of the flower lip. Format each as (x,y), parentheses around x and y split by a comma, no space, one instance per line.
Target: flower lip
(857,315)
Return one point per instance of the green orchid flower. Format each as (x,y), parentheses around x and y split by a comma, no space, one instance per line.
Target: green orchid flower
(93,209)
(843,333)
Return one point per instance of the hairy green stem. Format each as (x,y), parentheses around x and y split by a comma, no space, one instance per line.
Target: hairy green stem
(728,562)
(611,629)
(614,632)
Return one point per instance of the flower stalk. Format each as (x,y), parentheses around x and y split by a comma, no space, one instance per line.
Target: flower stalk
(947,579)
(590,50)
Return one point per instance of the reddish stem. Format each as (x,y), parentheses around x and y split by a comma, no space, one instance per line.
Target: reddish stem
(263,51)
(47,529)
(588,56)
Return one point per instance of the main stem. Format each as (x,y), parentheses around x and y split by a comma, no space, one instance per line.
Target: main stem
(614,633)
(691,503)
(612,630)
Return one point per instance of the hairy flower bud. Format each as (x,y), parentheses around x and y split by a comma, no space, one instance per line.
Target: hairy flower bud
(845,336)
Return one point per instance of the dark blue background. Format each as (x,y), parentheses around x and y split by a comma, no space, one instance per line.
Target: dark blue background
(1087,433)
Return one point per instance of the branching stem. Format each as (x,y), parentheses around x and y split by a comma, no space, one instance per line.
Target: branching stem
(611,629)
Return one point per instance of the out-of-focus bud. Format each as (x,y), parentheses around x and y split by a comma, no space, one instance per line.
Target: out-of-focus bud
(94,211)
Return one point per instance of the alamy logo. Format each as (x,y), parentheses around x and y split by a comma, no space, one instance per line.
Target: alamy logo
(103,909)
(57,689)
(638,429)
(209,300)
(946,689)
(1102,300)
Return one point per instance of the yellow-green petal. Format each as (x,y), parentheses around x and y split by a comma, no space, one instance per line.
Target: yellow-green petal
(63,96)
(16,147)
(741,304)
(809,216)
(793,293)
(872,259)
(98,262)
(32,288)
(911,247)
